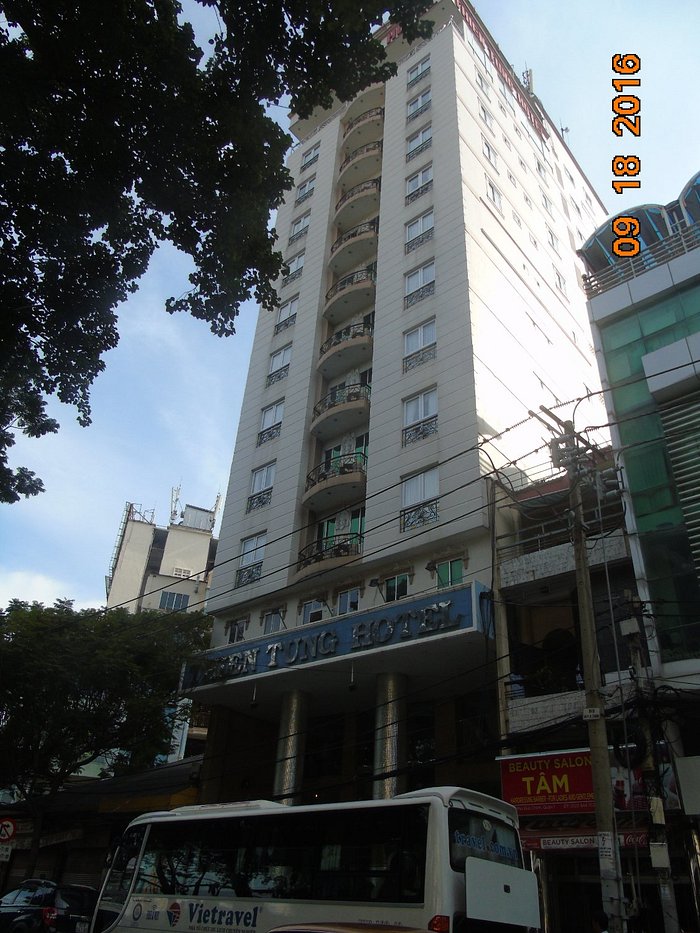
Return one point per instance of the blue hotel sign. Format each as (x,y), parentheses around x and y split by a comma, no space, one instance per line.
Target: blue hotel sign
(393,624)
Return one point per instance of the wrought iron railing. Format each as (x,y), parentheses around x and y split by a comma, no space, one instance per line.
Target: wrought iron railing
(340,545)
(371,184)
(249,574)
(278,375)
(360,151)
(337,466)
(416,432)
(419,77)
(419,240)
(367,115)
(417,150)
(342,336)
(259,499)
(369,226)
(683,241)
(419,192)
(267,434)
(424,355)
(418,111)
(287,322)
(362,275)
(418,515)
(292,276)
(339,396)
(425,291)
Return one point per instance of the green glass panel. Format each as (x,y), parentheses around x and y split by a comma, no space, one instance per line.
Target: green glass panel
(627,398)
(621,333)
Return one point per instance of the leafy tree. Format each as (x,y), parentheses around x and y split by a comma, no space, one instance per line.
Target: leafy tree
(115,136)
(76,686)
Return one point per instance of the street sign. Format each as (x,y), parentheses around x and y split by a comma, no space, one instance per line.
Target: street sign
(5,852)
(8,828)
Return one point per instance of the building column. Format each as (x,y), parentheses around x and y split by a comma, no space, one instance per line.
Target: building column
(389,734)
(291,741)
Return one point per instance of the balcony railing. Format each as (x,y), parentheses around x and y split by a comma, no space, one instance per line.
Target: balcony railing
(425,291)
(418,240)
(372,184)
(342,336)
(369,226)
(347,545)
(424,355)
(368,114)
(362,275)
(418,515)
(339,396)
(418,111)
(419,192)
(278,375)
(249,574)
(683,241)
(267,434)
(416,432)
(259,499)
(338,466)
(284,324)
(293,276)
(367,149)
(419,77)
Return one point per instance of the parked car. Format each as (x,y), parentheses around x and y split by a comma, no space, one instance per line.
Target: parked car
(39,906)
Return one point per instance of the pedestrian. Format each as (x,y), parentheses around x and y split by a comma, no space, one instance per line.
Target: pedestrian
(599,922)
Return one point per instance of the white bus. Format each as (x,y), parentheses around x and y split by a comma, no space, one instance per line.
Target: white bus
(442,859)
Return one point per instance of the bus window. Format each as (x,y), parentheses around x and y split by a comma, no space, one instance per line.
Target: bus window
(472,834)
(119,878)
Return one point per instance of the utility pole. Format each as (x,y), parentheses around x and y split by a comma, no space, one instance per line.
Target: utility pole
(566,452)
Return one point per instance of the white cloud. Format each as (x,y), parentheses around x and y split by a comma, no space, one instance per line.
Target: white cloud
(37,587)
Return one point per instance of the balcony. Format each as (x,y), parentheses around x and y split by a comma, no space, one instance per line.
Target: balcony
(366,128)
(330,552)
(346,349)
(419,515)
(360,165)
(357,204)
(350,295)
(358,245)
(341,481)
(344,409)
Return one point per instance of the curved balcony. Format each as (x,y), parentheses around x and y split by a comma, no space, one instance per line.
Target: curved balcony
(344,409)
(367,127)
(341,481)
(331,552)
(357,245)
(372,96)
(357,204)
(346,349)
(363,163)
(350,295)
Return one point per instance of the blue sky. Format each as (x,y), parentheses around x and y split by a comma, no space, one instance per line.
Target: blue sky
(165,410)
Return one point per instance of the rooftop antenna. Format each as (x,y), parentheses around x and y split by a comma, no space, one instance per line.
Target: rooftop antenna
(563,130)
(175,506)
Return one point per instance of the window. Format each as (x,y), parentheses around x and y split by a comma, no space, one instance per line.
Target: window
(489,152)
(312,611)
(486,116)
(552,240)
(560,281)
(236,630)
(425,275)
(182,572)
(396,587)
(418,71)
(348,601)
(419,141)
(420,488)
(420,407)
(507,142)
(449,573)
(299,226)
(310,156)
(280,358)
(173,601)
(272,415)
(493,194)
(527,200)
(287,314)
(271,621)
(482,82)
(546,203)
(421,178)
(253,549)
(523,166)
(418,104)
(262,478)
(305,189)
(295,265)
(541,169)
(419,337)
(419,226)
(533,240)
(517,219)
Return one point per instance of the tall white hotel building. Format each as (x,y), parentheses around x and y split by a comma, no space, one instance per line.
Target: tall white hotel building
(432,300)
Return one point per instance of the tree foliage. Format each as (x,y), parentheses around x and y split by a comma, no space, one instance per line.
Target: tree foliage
(116,135)
(75,686)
